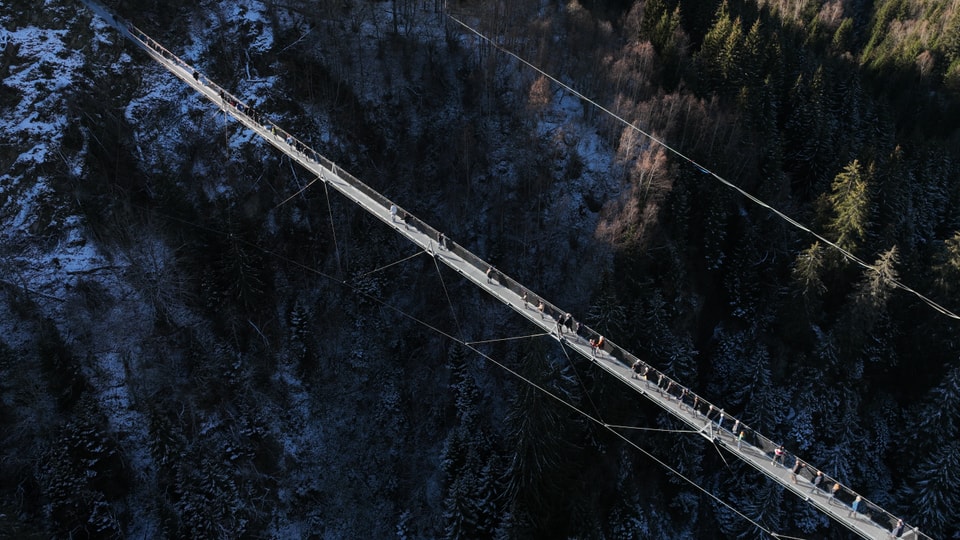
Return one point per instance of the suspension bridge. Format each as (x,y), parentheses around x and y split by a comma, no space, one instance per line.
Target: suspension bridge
(727,433)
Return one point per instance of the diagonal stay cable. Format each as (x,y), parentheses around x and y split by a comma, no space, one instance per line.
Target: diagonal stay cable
(719,453)
(446,293)
(301,190)
(333,227)
(388,265)
(698,486)
(896,283)
(577,374)
(481,342)
(662,430)
(516,374)
(483,355)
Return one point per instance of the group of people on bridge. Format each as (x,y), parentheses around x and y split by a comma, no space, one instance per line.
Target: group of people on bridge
(721,424)
(566,325)
(227,100)
(715,419)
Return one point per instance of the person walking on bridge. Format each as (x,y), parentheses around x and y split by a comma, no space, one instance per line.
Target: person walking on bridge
(598,346)
(897,529)
(797,467)
(855,506)
(393,213)
(817,480)
(778,456)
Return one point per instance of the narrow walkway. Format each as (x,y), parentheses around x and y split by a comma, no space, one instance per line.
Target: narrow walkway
(870,521)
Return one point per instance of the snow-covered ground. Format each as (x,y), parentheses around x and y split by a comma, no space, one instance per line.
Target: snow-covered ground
(44,248)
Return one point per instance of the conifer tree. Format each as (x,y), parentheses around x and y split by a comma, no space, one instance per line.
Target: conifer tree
(809,132)
(241,270)
(895,209)
(849,207)
(842,437)
(750,60)
(931,450)
(538,444)
(867,308)
(807,273)
(661,26)
(628,520)
(744,378)
(714,51)
(878,282)
(607,315)
(935,490)
(938,419)
(468,462)
(948,268)
(763,503)
(460,509)
(466,392)
(80,472)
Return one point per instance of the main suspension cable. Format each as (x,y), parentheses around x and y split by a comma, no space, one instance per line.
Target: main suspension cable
(893,281)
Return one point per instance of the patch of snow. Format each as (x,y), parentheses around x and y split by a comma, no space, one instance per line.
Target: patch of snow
(25,200)
(42,68)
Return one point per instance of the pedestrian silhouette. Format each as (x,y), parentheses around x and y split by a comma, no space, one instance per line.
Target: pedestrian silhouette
(855,506)
(817,480)
(778,456)
(637,366)
(797,467)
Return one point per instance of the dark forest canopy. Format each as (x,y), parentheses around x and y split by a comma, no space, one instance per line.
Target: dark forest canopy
(198,382)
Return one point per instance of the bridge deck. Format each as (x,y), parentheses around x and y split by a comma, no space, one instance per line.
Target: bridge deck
(871,522)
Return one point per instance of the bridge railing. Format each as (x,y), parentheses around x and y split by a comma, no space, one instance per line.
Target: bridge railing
(711,414)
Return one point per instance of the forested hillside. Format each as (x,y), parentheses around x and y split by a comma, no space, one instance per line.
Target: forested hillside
(188,352)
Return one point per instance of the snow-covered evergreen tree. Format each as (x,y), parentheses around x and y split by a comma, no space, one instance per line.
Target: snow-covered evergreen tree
(538,444)
(934,490)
